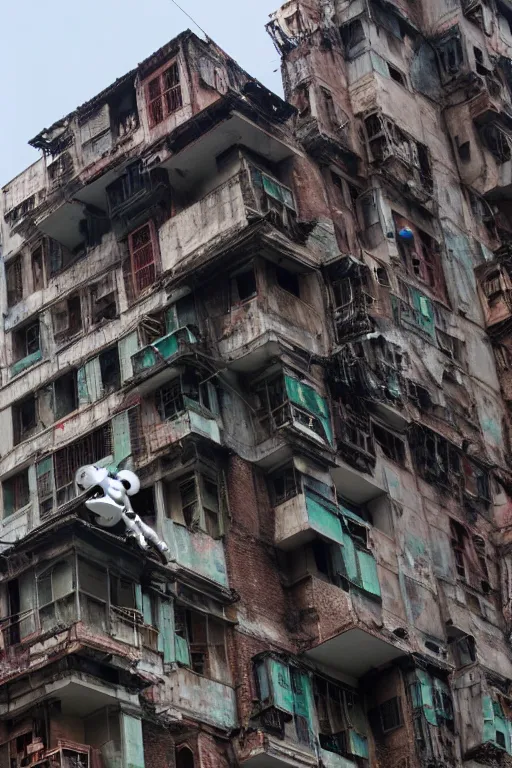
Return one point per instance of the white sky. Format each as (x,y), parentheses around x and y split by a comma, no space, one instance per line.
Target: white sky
(59,53)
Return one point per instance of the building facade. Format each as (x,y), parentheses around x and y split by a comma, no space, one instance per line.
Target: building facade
(293,319)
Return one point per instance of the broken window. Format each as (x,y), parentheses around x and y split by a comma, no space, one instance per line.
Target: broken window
(67,317)
(143,250)
(16,493)
(463,648)
(243,286)
(57,257)
(24,418)
(124,116)
(420,254)
(492,287)
(330,108)
(284,692)
(498,141)
(38,268)
(169,400)
(352,34)
(451,54)
(341,719)
(274,199)
(90,449)
(397,76)
(285,484)
(438,461)
(110,369)
(483,213)
(355,429)
(103,298)
(56,586)
(195,500)
(14,281)
(451,346)
(288,281)
(432,696)
(201,643)
(392,446)
(458,536)
(163,94)
(26,341)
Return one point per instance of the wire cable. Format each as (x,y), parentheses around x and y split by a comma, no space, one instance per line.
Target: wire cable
(190,17)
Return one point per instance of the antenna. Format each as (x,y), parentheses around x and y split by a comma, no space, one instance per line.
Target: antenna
(190,17)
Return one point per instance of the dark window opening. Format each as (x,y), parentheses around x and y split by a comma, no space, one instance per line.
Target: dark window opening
(124,117)
(14,281)
(184,757)
(288,281)
(479,62)
(103,301)
(67,317)
(38,280)
(352,34)
(391,714)
(65,394)
(464,150)
(143,249)
(464,650)
(392,446)
(383,277)
(169,400)
(122,592)
(322,557)
(16,493)
(330,108)
(26,341)
(24,419)
(110,369)
(285,485)
(458,542)
(451,55)
(243,287)
(397,76)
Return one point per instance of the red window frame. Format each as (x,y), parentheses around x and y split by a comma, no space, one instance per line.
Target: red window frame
(142,245)
(163,93)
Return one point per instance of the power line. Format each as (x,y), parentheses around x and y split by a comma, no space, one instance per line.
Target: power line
(190,17)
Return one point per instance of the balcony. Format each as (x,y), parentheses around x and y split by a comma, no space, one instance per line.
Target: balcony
(163,434)
(161,351)
(354,652)
(199,697)
(196,551)
(303,518)
(262,750)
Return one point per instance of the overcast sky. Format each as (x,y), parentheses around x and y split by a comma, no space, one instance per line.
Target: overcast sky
(59,53)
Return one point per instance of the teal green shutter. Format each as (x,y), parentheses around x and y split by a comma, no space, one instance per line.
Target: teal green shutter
(138,598)
(281,686)
(358,744)
(307,398)
(427,698)
(83,391)
(131,734)
(350,559)
(127,346)
(166,635)
(369,575)
(94,382)
(121,437)
(489,731)
(181,650)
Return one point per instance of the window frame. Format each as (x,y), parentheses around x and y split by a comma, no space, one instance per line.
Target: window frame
(21,494)
(160,98)
(140,286)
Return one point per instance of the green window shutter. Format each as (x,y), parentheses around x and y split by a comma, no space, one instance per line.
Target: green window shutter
(322,517)
(358,744)
(302,696)
(83,391)
(307,398)
(350,562)
(8,499)
(501,725)
(171,320)
(427,696)
(131,735)
(281,686)
(127,347)
(94,382)
(489,730)
(138,598)
(263,681)
(147,613)
(166,635)
(369,574)
(121,437)
(181,650)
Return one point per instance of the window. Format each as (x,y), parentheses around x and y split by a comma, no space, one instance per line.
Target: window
(463,649)
(103,300)
(498,141)
(339,710)
(438,460)
(451,56)
(330,109)
(285,484)
(392,446)
(91,448)
(243,287)
(16,494)
(110,369)
(38,276)
(25,419)
(420,254)
(184,757)
(352,34)
(26,341)
(67,317)
(355,429)
(122,592)
(55,595)
(397,76)
(57,257)
(143,248)
(169,400)
(288,281)
(201,644)
(163,94)
(451,346)
(458,536)
(195,501)
(390,713)
(65,396)
(492,286)
(14,281)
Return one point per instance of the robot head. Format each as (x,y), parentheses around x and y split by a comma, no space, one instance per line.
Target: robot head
(89,476)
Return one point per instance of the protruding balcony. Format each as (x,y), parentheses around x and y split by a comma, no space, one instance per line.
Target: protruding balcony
(161,351)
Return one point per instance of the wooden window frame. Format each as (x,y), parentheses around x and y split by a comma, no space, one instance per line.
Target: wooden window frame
(159,104)
(138,285)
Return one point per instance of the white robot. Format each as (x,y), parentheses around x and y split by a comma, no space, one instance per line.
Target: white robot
(111,503)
